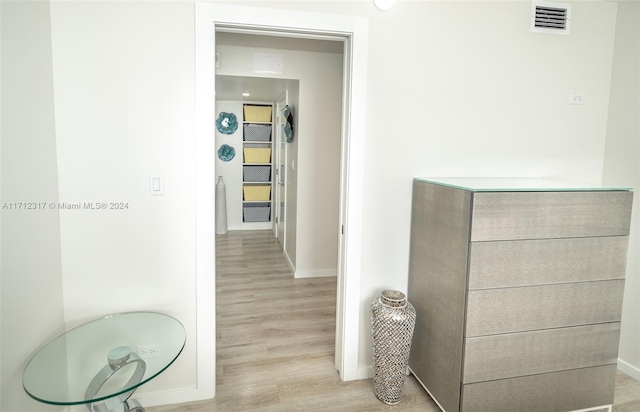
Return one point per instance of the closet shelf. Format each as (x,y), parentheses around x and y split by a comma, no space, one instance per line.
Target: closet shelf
(257,144)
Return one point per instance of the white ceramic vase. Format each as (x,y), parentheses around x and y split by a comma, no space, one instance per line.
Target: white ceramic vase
(221,207)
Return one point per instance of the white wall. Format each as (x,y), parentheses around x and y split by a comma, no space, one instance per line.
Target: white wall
(463,88)
(31,311)
(231,171)
(454,88)
(318,121)
(622,167)
(487,98)
(124,100)
(313,180)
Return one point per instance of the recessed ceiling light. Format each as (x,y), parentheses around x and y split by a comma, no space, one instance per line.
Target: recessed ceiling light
(246,94)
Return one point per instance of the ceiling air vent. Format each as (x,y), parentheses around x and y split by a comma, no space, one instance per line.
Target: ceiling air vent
(550,17)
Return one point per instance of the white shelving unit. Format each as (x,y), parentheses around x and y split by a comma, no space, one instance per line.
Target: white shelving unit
(257,165)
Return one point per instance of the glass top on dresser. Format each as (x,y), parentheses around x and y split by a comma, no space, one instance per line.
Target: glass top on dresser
(515,184)
(79,366)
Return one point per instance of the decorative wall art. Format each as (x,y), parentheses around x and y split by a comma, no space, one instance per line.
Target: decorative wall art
(227,123)
(226,153)
(288,126)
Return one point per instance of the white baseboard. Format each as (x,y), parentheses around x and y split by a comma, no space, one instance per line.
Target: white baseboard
(300,274)
(289,262)
(596,408)
(322,273)
(629,369)
(365,372)
(256,226)
(173,397)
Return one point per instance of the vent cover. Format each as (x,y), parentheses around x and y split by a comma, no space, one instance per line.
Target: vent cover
(549,17)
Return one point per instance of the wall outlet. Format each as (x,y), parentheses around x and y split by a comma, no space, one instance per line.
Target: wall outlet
(575,98)
(149,351)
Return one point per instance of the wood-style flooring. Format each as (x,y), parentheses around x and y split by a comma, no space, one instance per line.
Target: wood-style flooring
(275,341)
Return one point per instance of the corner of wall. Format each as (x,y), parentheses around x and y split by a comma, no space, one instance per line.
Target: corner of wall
(31,282)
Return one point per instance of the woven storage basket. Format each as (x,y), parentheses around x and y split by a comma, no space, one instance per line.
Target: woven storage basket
(257,133)
(257,154)
(257,113)
(256,173)
(256,212)
(257,193)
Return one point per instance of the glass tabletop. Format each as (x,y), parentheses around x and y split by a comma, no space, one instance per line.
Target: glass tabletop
(109,356)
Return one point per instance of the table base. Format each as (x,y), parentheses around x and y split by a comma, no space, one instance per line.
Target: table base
(117,359)
(130,405)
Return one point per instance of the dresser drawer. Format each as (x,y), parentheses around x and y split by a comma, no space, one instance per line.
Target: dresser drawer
(537,262)
(542,215)
(528,353)
(494,311)
(550,392)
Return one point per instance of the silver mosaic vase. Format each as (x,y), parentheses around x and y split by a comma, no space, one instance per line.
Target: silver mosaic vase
(392,322)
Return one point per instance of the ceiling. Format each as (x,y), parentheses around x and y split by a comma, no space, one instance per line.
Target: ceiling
(265,89)
(261,89)
(279,42)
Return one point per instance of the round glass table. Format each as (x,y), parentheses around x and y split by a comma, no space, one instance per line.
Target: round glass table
(101,363)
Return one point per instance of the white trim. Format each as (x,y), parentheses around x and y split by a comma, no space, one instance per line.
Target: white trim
(318,273)
(595,408)
(151,399)
(629,369)
(365,372)
(257,225)
(229,17)
(354,203)
(205,205)
(292,267)
(208,17)
(166,398)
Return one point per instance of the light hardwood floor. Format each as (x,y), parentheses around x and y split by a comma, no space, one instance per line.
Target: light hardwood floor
(275,341)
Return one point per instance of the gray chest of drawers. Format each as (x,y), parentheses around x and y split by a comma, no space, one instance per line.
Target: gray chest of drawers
(518,292)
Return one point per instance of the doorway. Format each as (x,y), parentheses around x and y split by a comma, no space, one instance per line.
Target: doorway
(306,169)
(309,168)
(354,31)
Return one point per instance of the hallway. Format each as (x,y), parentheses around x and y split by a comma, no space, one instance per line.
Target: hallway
(275,338)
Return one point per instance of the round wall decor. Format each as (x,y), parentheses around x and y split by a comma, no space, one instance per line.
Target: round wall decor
(226,153)
(227,123)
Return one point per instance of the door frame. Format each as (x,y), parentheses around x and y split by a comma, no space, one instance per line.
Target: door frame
(354,30)
(280,173)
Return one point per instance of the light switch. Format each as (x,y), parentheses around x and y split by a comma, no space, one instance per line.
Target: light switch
(156,185)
